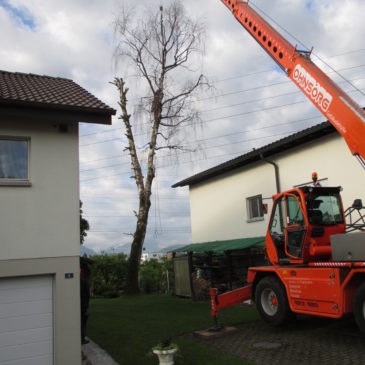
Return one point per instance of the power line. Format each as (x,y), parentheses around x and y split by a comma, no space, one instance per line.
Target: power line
(235,77)
(320,58)
(348,52)
(217,137)
(182,230)
(234,115)
(250,89)
(270,70)
(186,162)
(265,98)
(207,148)
(270,136)
(221,118)
(128,196)
(250,140)
(187,215)
(213,120)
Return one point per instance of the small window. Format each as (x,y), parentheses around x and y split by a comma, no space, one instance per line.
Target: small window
(14,161)
(255,209)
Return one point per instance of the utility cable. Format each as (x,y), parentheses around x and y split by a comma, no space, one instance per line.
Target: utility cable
(242,76)
(308,49)
(215,146)
(188,162)
(224,117)
(217,137)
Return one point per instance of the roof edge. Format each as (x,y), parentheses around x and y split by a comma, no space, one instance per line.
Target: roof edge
(284,144)
(49,115)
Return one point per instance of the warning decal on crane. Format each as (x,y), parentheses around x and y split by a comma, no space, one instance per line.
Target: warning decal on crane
(311,87)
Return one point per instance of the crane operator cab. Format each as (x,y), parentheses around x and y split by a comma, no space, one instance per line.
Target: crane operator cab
(301,224)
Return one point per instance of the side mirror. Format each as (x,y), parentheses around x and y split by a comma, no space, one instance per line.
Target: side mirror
(357,204)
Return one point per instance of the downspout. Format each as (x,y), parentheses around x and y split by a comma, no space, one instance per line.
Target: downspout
(278,189)
(276,168)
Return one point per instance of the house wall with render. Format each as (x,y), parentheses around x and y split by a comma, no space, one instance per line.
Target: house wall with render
(39,226)
(219,205)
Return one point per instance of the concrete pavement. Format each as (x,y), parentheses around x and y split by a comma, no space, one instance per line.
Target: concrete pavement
(95,355)
(307,341)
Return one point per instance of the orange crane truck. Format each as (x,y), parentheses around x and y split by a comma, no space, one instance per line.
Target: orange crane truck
(317,261)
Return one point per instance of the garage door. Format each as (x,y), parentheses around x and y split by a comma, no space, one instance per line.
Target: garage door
(26,321)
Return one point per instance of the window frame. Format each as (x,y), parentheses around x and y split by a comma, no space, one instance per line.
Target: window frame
(258,199)
(15,181)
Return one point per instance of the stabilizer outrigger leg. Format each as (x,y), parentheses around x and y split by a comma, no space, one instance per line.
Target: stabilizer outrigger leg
(226,300)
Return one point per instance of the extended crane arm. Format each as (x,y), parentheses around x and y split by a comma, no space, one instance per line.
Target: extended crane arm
(344,114)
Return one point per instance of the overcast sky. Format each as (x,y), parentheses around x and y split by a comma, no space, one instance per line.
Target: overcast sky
(253,104)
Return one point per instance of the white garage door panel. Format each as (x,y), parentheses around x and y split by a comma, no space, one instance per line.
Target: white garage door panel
(26,321)
(25,309)
(22,337)
(8,296)
(41,360)
(27,351)
(21,283)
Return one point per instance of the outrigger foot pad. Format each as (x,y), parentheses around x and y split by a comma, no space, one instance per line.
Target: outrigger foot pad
(214,332)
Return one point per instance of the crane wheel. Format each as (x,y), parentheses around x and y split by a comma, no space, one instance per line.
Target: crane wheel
(272,302)
(359,307)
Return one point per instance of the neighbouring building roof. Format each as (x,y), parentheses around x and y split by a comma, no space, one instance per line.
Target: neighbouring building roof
(20,90)
(255,155)
(223,246)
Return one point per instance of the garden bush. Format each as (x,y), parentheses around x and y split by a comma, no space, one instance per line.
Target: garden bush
(153,277)
(108,275)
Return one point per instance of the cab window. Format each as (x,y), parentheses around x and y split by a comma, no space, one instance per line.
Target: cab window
(295,215)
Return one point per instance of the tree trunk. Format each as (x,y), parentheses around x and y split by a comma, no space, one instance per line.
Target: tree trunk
(132,286)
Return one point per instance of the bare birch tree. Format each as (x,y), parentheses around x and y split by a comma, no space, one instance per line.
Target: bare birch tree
(162,47)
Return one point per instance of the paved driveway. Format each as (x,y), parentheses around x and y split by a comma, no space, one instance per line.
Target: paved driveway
(308,341)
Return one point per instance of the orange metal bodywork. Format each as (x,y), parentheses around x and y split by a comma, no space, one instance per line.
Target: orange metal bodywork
(344,114)
(320,291)
(311,290)
(225,300)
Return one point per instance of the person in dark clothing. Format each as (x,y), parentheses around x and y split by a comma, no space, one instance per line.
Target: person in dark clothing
(84,300)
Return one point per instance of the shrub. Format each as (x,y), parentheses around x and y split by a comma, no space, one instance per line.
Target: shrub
(108,274)
(153,276)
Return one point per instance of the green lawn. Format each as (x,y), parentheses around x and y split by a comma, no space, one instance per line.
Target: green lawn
(127,328)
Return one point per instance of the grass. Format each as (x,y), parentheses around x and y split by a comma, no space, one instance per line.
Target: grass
(127,328)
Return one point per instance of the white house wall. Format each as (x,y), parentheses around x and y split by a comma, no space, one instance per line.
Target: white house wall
(42,220)
(330,158)
(218,206)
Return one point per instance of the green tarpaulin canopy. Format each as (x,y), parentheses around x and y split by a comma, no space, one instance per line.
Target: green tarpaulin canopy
(222,246)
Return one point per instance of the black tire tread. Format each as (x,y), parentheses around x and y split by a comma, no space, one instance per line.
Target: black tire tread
(284,314)
(358,304)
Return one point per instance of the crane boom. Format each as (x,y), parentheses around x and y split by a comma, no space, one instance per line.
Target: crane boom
(343,112)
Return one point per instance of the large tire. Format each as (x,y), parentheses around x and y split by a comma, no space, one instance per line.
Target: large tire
(359,307)
(272,302)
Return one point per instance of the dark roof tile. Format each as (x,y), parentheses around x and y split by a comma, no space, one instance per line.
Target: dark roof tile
(48,92)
